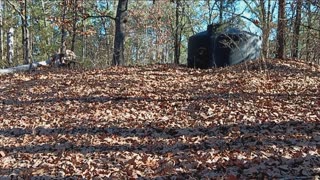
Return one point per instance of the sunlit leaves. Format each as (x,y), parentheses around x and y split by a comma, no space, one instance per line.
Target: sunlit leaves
(162,121)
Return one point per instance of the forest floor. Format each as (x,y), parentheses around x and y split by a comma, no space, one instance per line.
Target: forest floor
(254,120)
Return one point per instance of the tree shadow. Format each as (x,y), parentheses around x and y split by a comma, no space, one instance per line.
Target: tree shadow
(257,139)
(247,139)
(268,65)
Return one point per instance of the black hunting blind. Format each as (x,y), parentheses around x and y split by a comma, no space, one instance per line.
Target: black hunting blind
(220,47)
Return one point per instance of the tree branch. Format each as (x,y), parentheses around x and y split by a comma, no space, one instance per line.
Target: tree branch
(15,9)
(249,19)
(310,27)
(100,16)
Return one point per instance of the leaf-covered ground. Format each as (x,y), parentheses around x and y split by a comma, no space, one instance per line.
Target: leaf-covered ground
(255,120)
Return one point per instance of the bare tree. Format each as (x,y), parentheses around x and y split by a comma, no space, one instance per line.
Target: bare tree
(74,23)
(121,19)
(309,18)
(26,46)
(1,29)
(177,34)
(281,29)
(45,20)
(221,9)
(266,20)
(25,33)
(263,10)
(63,30)
(296,30)
(24,28)
(10,46)
(83,36)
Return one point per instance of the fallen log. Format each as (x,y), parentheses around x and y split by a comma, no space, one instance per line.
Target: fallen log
(56,60)
(25,67)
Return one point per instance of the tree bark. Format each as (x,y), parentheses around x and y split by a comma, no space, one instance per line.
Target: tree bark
(270,13)
(266,16)
(27,59)
(281,30)
(221,11)
(10,46)
(83,29)
(63,31)
(1,30)
(74,24)
(25,67)
(176,36)
(264,23)
(108,38)
(24,31)
(210,10)
(45,20)
(296,30)
(121,18)
(308,30)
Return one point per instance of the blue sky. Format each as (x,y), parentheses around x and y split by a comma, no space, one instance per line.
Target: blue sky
(240,7)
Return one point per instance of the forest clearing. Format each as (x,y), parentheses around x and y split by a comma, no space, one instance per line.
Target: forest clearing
(252,120)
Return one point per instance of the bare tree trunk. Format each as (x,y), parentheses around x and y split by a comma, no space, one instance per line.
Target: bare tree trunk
(109,41)
(74,24)
(108,38)
(221,11)
(63,31)
(26,33)
(264,28)
(210,10)
(308,31)
(24,28)
(121,18)
(1,29)
(176,36)
(84,42)
(10,46)
(23,31)
(266,16)
(318,54)
(281,30)
(44,20)
(296,30)
(270,13)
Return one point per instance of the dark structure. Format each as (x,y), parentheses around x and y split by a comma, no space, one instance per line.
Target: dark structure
(219,48)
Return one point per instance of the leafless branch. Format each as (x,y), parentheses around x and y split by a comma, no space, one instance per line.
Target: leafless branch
(100,16)
(16,9)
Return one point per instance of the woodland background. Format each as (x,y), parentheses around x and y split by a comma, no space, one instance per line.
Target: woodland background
(153,31)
